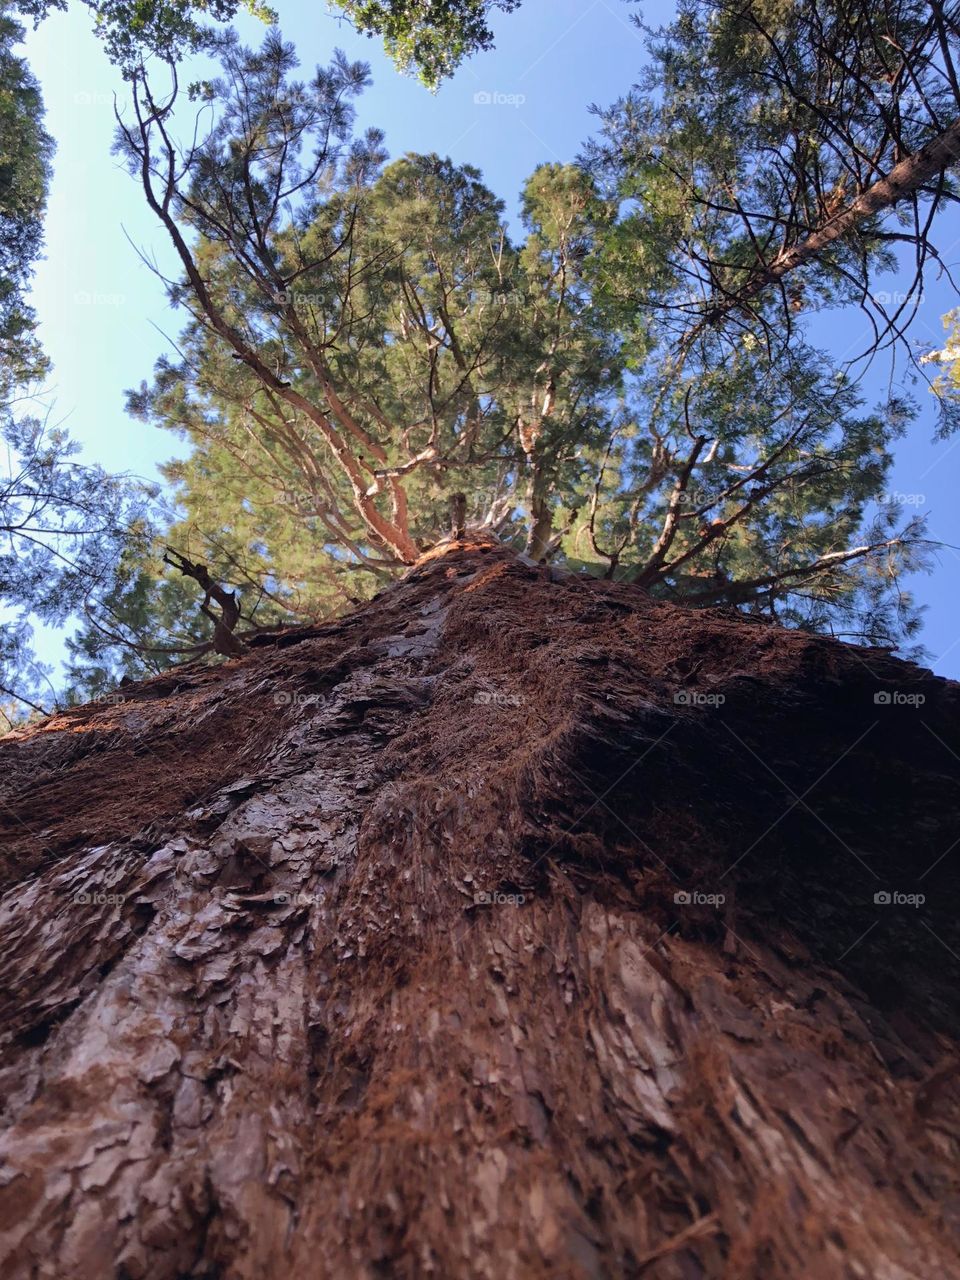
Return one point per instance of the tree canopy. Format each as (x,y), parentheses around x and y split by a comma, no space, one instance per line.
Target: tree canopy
(787,152)
(25,154)
(370,359)
(169,29)
(629,385)
(428,37)
(63,524)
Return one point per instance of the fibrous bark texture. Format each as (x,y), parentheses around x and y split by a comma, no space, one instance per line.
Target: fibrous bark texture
(509,927)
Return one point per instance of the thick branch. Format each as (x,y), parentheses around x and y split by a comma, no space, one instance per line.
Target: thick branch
(903,180)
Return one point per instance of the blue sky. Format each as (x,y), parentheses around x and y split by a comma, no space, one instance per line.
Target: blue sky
(103,314)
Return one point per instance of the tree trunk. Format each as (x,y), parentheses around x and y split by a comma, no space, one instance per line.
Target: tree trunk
(540,529)
(397,948)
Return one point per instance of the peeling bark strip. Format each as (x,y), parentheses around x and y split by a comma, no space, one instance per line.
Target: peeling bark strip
(510,927)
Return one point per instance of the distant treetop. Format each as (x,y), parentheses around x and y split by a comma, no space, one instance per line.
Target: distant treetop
(427,37)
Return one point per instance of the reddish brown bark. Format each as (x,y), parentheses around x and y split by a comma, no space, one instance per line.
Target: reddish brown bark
(312,1030)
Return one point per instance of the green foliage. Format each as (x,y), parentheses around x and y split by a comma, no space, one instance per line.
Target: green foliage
(61,523)
(141,623)
(398,334)
(429,37)
(169,29)
(25,152)
(753,126)
(624,386)
(365,341)
(762,485)
(946,385)
(64,527)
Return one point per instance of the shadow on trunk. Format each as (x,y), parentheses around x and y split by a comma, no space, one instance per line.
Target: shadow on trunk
(510,927)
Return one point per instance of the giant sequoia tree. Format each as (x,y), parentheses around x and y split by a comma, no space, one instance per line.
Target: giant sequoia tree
(367,343)
(509,927)
(520,921)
